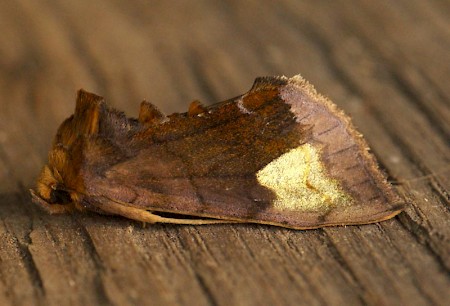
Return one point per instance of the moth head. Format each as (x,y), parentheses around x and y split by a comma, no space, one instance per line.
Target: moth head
(58,187)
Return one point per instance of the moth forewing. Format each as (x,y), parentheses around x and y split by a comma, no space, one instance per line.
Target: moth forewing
(281,154)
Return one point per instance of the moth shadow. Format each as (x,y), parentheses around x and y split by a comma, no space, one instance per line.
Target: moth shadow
(18,211)
(15,206)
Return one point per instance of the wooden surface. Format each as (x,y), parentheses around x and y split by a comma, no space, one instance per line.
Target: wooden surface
(385,62)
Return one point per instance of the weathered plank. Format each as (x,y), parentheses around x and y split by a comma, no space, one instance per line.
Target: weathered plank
(384,62)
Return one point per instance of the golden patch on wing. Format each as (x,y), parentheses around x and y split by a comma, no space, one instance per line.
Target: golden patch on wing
(300,182)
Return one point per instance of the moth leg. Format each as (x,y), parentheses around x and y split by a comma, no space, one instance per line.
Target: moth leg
(122,209)
(159,219)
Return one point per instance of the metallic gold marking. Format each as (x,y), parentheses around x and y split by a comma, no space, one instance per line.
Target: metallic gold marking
(300,181)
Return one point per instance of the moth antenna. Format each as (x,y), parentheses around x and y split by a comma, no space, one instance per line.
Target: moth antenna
(420,178)
(196,108)
(149,114)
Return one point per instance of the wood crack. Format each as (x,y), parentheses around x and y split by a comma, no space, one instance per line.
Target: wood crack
(27,256)
(413,278)
(205,288)
(332,248)
(99,267)
(422,235)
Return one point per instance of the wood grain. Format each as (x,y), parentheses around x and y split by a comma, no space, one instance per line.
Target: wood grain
(384,62)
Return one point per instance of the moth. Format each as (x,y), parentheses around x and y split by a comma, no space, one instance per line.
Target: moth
(280,154)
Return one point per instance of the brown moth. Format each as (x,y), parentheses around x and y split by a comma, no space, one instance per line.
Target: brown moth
(280,154)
